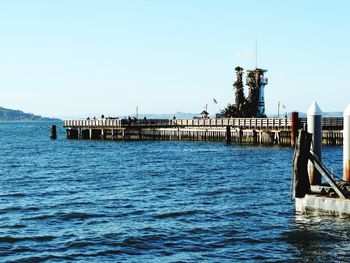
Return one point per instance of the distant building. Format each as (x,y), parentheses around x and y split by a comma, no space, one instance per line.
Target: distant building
(204,114)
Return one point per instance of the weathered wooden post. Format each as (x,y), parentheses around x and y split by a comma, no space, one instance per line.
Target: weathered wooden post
(314,126)
(228,134)
(240,135)
(300,162)
(139,131)
(255,137)
(53,135)
(295,127)
(346,144)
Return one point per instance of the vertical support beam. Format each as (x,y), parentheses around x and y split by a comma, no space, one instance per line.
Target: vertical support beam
(255,137)
(314,126)
(346,145)
(90,134)
(240,135)
(295,127)
(277,138)
(260,137)
(228,134)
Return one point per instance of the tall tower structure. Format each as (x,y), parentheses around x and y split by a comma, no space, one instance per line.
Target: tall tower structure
(261,102)
(257,82)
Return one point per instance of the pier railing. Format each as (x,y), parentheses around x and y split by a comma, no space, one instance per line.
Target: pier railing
(92,123)
(236,122)
(328,123)
(246,123)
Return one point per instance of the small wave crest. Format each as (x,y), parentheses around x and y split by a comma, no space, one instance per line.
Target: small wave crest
(178,214)
(78,215)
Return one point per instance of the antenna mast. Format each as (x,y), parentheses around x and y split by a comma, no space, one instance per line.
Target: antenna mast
(256,49)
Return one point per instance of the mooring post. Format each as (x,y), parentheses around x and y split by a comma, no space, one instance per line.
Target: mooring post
(346,144)
(314,126)
(295,127)
(53,132)
(300,163)
(228,134)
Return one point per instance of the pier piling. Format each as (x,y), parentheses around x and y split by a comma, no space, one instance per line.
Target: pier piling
(300,163)
(53,135)
(240,136)
(314,126)
(228,134)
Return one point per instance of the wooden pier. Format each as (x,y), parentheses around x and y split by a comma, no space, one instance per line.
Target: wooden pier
(270,131)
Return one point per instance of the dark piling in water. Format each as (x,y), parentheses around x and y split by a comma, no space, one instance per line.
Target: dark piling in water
(53,134)
(301,158)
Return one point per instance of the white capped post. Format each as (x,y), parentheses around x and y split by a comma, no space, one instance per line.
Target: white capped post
(314,126)
(346,144)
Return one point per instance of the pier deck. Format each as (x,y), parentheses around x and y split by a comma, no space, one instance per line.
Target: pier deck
(246,123)
(242,130)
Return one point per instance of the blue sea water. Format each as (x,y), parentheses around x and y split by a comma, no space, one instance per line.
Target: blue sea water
(148,201)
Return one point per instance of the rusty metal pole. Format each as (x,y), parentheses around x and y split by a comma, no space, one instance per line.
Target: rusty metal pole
(295,127)
(346,144)
(314,126)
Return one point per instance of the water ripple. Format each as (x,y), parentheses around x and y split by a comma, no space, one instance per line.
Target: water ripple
(178,214)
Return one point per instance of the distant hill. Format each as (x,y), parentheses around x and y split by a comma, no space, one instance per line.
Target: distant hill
(17,115)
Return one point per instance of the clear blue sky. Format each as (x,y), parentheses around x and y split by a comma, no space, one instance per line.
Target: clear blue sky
(79,58)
